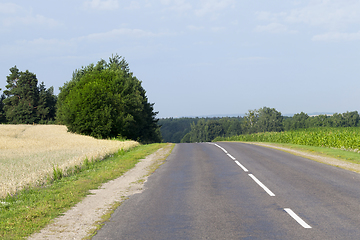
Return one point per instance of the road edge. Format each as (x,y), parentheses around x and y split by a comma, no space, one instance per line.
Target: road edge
(84,219)
(312,156)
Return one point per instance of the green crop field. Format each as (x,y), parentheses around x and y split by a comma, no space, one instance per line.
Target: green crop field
(340,138)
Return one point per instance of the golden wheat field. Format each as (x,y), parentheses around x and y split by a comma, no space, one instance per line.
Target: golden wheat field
(28,153)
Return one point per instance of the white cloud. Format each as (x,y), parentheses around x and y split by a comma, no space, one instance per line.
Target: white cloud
(337,36)
(101,4)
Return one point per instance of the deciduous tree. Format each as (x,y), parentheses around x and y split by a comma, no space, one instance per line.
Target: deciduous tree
(105,100)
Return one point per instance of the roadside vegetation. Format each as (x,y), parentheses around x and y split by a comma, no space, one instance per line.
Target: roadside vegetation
(255,121)
(341,138)
(31,209)
(341,143)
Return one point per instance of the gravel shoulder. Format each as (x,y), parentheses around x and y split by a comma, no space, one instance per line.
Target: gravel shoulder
(84,218)
(313,156)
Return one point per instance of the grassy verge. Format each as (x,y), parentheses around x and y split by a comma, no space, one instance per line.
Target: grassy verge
(348,156)
(32,209)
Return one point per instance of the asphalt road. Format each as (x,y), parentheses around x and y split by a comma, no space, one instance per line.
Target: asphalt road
(240,191)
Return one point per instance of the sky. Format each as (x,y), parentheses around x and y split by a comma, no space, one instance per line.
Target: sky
(198,57)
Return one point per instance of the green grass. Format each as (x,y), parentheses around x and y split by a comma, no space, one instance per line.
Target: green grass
(347,156)
(340,143)
(342,138)
(32,209)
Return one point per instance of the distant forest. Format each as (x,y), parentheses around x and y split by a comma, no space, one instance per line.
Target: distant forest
(265,119)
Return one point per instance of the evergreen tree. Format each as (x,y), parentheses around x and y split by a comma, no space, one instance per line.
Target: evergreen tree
(2,113)
(46,106)
(22,98)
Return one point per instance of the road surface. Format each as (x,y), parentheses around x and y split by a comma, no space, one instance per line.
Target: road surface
(240,191)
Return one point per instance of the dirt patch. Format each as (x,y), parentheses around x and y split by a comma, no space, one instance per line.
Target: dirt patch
(316,157)
(83,218)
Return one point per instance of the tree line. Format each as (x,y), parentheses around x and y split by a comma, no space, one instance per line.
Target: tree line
(259,120)
(103,100)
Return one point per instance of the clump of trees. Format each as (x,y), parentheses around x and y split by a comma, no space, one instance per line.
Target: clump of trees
(208,129)
(263,120)
(106,101)
(24,101)
(258,120)
(174,129)
(103,100)
(303,120)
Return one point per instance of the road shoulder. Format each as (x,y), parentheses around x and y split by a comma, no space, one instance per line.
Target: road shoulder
(85,217)
(313,156)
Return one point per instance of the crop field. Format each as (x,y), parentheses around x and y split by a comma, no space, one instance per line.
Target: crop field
(340,138)
(30,153)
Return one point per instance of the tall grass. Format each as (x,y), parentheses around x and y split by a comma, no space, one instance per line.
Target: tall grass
(341,138)
(31,154)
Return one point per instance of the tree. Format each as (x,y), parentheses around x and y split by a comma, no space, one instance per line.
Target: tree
(321,120)
(351,119)
(299,120)
(2,113)
(250,121)
(269,120)
(105,101)
(23,96)
(337,120)
(46,105)
(213,129)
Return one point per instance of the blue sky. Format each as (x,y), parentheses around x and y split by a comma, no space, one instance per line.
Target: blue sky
(197,58)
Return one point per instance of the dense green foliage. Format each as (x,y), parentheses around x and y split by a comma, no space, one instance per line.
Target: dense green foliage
(2,113)
(24,101)
(344,138)
(174,129)
(105,101)
(207,129)
(262,120)
(302,120)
